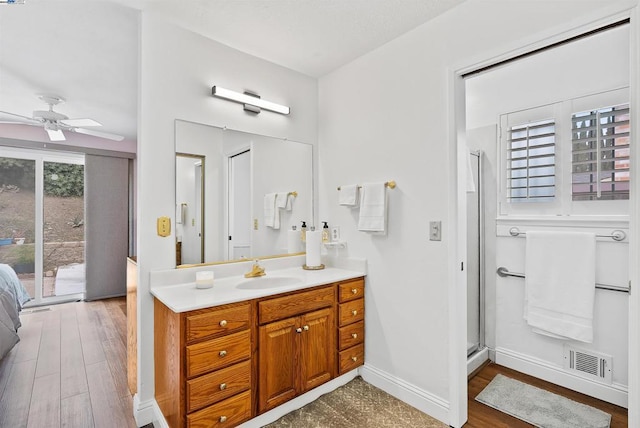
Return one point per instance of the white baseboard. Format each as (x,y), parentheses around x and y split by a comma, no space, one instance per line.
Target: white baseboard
(616,393)
(476,360)
(148,412)
(420,399)
(296,403)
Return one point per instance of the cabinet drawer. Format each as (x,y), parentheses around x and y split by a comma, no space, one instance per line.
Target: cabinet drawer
(213,354)
(351,290)
(213,387)
(218,322)
(351,335)
(227,413)
(351,358)
(295,304)
(351,312)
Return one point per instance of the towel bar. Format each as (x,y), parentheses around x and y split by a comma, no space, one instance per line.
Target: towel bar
(616,235)
(503,272)
(390,184)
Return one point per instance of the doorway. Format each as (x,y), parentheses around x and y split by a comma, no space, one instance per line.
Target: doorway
(42,222)
(239,206)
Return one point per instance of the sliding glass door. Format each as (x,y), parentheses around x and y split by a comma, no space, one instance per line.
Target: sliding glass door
(42,222)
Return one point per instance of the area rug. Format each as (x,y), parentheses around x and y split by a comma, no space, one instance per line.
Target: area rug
(539,407)
(357,404)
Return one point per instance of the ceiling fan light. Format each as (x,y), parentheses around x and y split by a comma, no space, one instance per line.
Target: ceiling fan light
(55,134)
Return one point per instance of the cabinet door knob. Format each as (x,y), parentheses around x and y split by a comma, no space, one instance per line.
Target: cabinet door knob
(354,335)
(354,290)
(223,386)
(223,323)
(305,328)
(223,419)
(223,353)
(354,359)
(298,330)
(354,312)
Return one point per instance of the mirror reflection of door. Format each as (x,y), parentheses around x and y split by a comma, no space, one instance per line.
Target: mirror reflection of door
(189,203)
(240,205)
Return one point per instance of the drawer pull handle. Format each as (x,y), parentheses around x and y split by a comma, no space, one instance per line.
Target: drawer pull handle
(223,419)
(354,290)
(223,386)
(354,335)
(354,312)
(222,353)
(354,359)
(305,328)
(298,330)
(223,323)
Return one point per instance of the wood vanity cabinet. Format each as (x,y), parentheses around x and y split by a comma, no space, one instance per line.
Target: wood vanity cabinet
(203,365)
(350,325)
(221,366)
(296,353)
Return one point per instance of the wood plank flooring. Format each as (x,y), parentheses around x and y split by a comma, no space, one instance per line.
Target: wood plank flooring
(482,416)
(69,369)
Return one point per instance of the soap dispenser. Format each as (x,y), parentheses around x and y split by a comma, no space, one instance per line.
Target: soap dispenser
(303,232)
(325,233)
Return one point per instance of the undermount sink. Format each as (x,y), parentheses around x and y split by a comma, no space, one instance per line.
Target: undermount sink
(268,282)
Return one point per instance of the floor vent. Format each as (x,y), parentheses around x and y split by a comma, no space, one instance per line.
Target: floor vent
(588,364)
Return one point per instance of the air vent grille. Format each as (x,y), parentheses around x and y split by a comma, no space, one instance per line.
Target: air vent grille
(588,364)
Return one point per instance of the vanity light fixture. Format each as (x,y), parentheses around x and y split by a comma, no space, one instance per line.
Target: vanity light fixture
(251,102)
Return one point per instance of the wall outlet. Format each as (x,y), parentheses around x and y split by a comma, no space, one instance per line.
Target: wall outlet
(335,234)
(435,231)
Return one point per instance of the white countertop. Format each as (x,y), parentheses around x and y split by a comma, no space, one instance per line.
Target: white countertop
(184,296)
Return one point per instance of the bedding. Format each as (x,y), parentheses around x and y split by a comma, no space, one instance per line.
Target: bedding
(12,297)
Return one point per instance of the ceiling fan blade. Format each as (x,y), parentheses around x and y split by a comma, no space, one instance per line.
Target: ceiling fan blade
(55,134)
(26,118)
(100,134)
(80,122)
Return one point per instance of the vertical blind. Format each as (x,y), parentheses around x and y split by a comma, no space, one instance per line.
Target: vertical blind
(531,161)
(600,154)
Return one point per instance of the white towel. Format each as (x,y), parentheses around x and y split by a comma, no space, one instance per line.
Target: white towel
(283,201)
(348,195)
(560,284)
(373,208)
(270,210)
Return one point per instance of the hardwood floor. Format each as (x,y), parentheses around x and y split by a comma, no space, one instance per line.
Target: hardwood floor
(69,368)
(482,416)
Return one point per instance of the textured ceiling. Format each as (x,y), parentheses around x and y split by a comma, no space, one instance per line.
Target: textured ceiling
(86,51)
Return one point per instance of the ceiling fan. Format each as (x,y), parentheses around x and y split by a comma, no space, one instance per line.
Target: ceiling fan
(54,123)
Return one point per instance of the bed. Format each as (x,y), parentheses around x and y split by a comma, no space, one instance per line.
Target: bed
(12,297)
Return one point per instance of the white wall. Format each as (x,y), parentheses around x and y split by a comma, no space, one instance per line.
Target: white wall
(178,69)
(385,116)
(549,77)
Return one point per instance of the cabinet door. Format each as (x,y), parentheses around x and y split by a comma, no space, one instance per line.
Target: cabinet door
(317,348)
(278,363)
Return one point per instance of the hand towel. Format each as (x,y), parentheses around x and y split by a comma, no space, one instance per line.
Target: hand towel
(373,208)
(348,195)
(270,210)
(283,201)
(560,283)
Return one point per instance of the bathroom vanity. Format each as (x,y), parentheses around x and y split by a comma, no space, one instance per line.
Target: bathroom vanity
(246,346)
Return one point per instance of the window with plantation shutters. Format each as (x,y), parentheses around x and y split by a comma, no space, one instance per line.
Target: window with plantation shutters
(600,154)
(531,168)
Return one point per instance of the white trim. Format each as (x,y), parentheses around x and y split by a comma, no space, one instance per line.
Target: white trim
(298,402)
(615,393)
(148,412)
(477,359)
(634,208)
(422,400)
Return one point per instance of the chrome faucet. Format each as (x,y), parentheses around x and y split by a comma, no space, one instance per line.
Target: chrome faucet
(256,270)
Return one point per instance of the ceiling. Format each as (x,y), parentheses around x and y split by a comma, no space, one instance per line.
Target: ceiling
(86,51)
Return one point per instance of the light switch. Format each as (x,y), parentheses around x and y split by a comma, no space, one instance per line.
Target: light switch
(164,226)
(435,231)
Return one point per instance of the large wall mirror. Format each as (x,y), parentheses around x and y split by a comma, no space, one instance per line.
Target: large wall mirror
(226,182)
